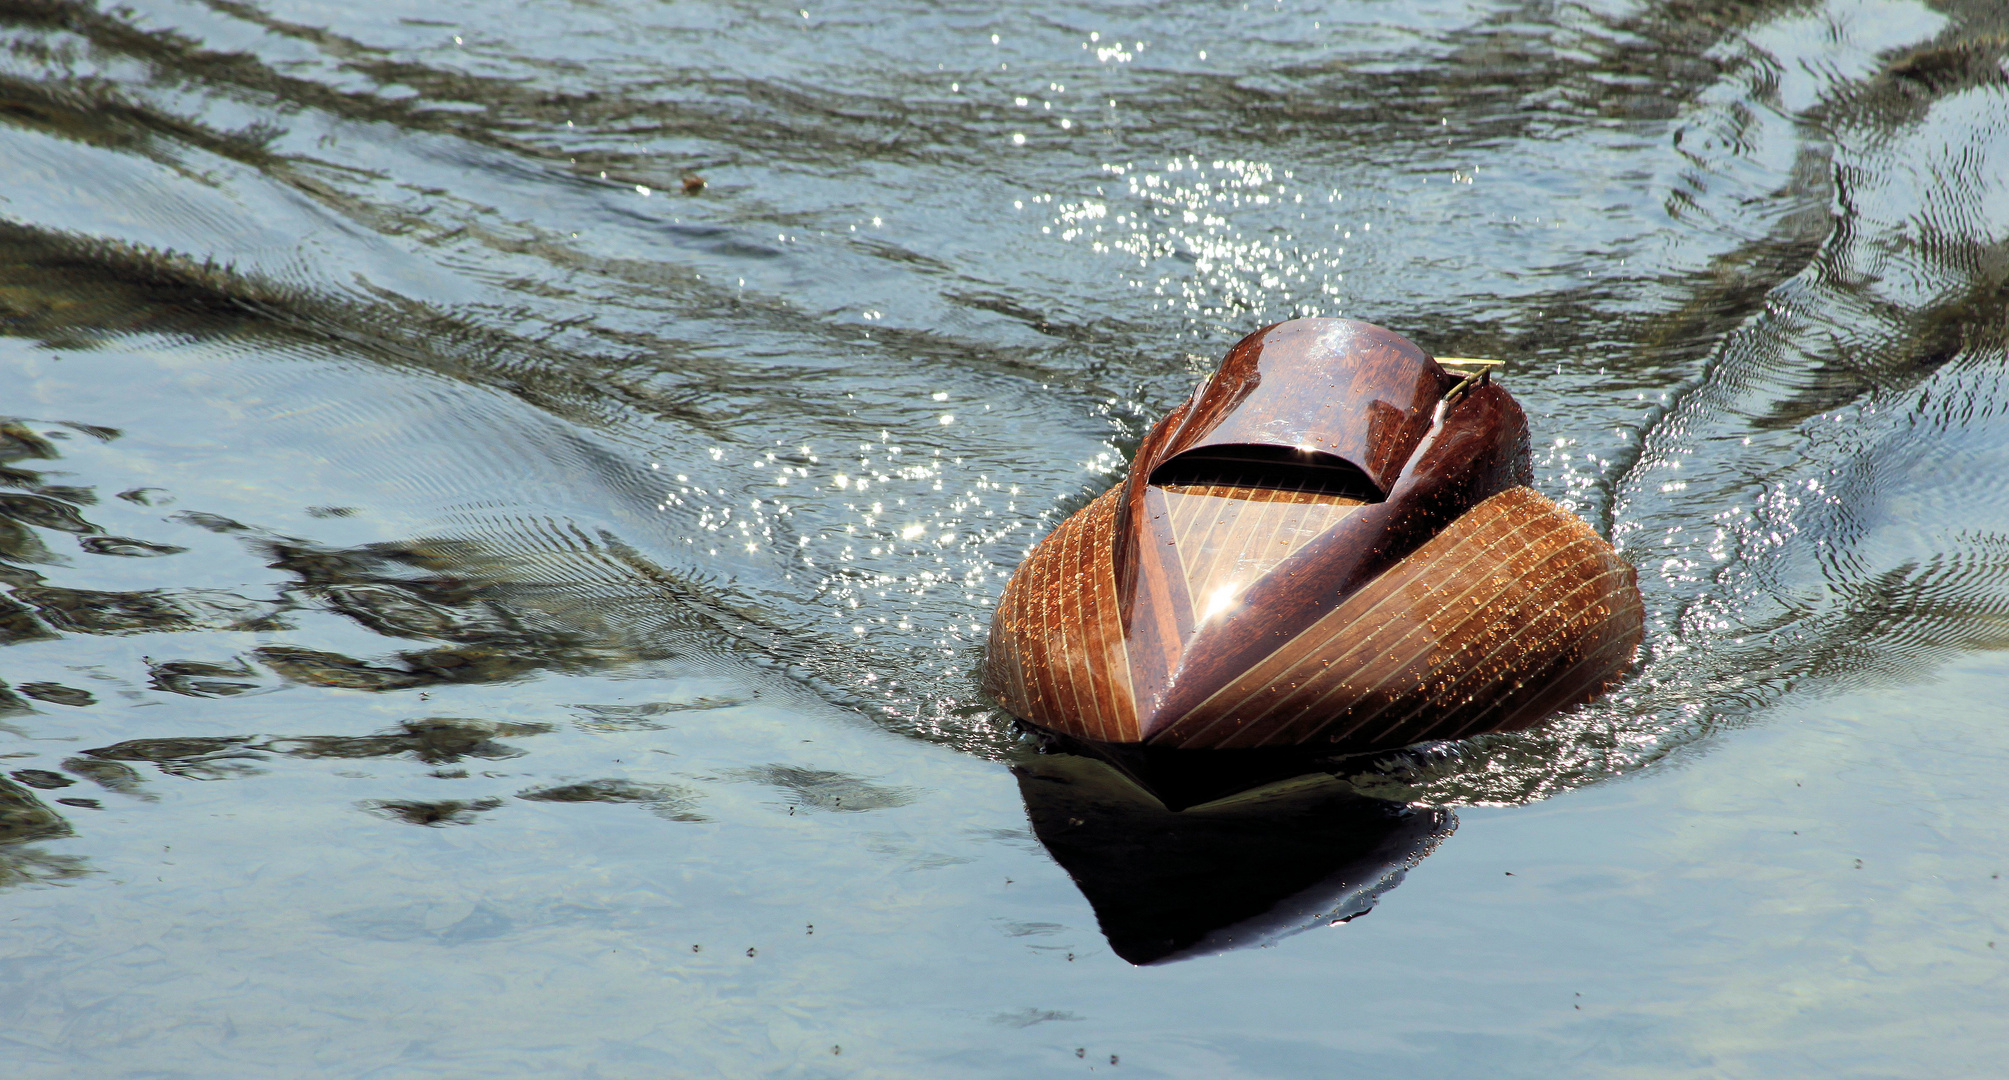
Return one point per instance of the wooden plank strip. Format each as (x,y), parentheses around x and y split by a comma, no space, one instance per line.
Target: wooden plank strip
(1556,633)
(1006,669)
(1243,547)
(1161,613)
(1067,641)
(1092,569)
(1180,506)
(1196,513)
(1000,665)
(1077,691)
(1231,572)
(1039,639)
(1223,512)
(1385,598)
(1504,588)
(1527,612)
(1528,537)
(1303,519)
(1396,648)
(1115,653)
(1016,636)
(1617,632)
(1585,679)
(1482,685)
(1565,676)
(1026,634)
(1277,522)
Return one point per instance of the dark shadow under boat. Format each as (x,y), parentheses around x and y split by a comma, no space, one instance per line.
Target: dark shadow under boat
(1236,872)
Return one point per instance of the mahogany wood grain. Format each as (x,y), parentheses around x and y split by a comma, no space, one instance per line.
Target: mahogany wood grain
(1468,455)
(1343,387)
(1319,547)
(1464,628)
(1057,652)
(1159,618)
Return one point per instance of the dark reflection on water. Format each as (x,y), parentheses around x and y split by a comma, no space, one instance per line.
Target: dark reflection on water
(24,819)
(671,801)
(393,438)
(1236,873)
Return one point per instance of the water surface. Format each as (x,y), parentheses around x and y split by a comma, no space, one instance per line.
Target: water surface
(500,505)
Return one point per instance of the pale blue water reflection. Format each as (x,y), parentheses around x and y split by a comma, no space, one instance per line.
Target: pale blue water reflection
(472,608)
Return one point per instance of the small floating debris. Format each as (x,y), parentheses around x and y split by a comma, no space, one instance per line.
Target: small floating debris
(693,183)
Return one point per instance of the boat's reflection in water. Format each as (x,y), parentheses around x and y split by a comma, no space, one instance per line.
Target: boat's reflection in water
(1231,873)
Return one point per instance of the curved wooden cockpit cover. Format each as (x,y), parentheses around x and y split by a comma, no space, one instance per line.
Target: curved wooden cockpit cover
(1341,387)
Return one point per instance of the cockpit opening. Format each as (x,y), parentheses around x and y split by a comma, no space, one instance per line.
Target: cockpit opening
(1281,468)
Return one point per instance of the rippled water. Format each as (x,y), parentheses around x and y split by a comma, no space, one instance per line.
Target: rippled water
(502,502)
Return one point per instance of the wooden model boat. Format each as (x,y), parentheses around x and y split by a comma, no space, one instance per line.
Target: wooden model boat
(1331,546)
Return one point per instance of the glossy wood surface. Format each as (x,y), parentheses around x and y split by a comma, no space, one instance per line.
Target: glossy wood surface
(1517,601)
(1227,537)
(1337,386)
(1057,655)
(1379,577)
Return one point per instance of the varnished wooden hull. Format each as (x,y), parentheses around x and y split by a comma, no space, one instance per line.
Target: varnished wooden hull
(1318,550)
